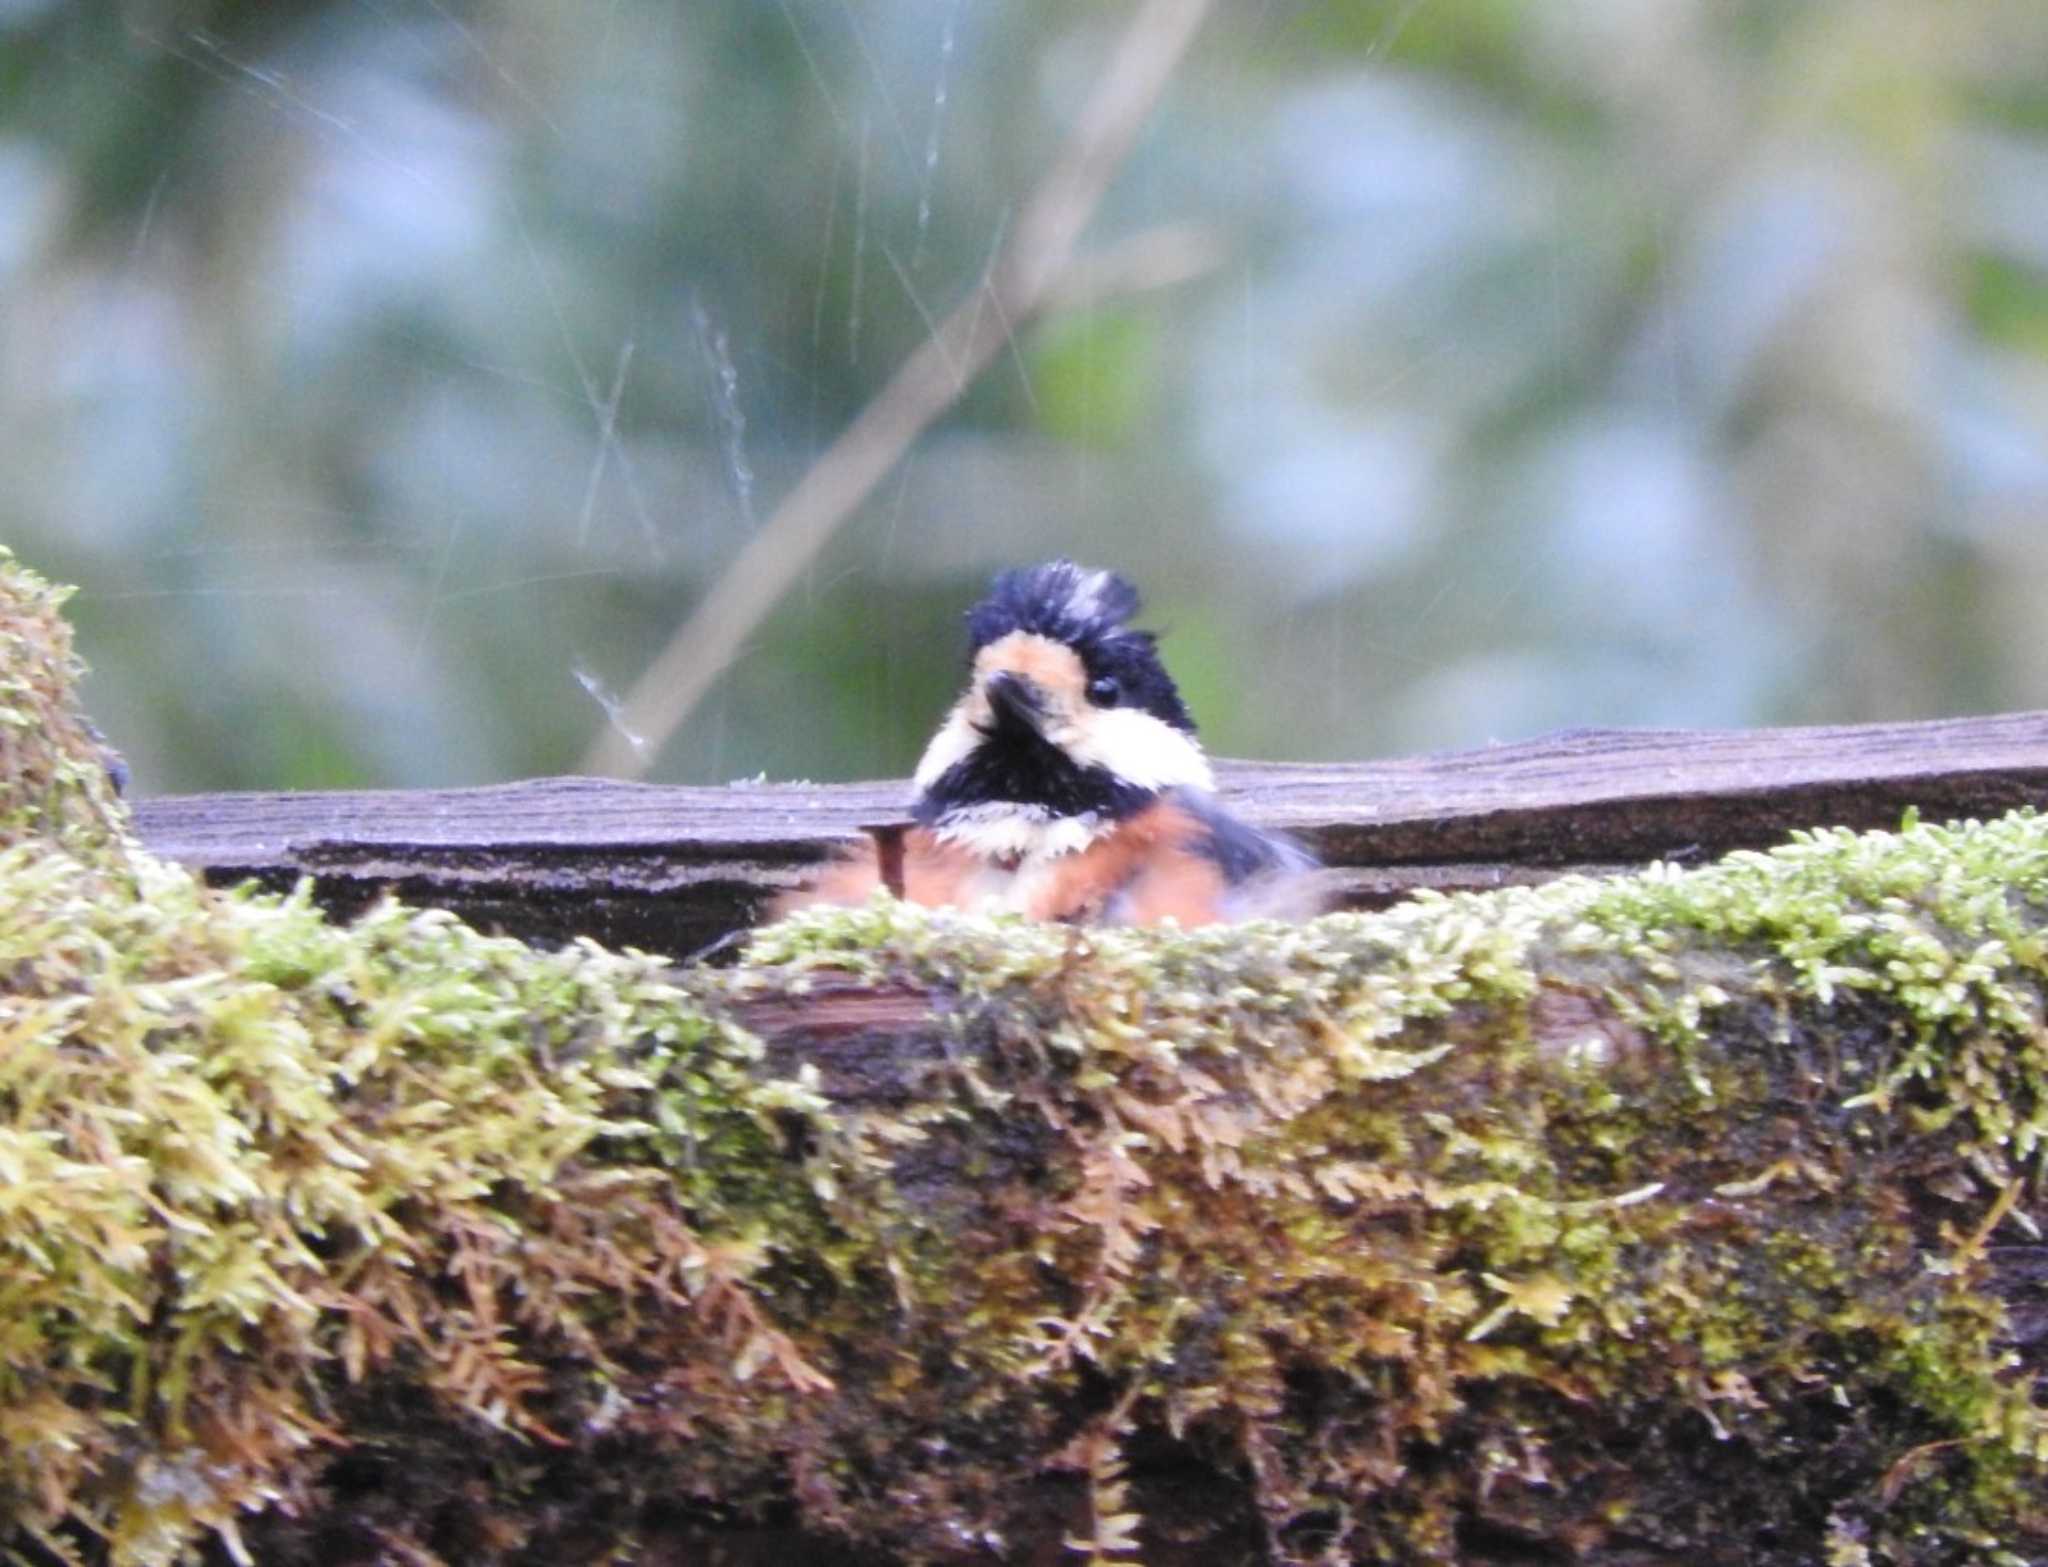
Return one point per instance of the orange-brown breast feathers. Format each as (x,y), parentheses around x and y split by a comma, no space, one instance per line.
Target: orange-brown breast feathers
(1144,870)
(933,874)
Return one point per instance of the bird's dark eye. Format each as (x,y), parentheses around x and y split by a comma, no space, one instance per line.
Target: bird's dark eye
(1105,691)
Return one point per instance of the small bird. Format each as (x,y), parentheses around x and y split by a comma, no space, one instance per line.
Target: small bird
(1066,783)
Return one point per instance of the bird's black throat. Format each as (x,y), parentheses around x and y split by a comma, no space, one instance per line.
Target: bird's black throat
(1015,765)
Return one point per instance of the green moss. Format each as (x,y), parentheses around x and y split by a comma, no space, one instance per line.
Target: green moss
(53,770)
(1377,1154)
(1650,1214)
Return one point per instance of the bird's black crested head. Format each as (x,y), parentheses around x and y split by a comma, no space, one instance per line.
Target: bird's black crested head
(1088,611)
(1069,721)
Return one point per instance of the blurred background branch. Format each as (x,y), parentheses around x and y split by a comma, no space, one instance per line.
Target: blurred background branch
(1018,284)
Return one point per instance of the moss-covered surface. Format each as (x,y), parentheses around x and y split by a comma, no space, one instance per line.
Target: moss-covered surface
(1643,1220)
(53,769)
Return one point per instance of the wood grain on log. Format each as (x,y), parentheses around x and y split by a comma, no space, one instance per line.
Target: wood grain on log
(671,869)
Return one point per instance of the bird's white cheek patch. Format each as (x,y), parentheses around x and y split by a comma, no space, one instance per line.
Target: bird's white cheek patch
(954,742)
(1139,749)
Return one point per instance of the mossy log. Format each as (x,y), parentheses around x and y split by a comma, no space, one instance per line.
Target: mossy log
(1687,1216)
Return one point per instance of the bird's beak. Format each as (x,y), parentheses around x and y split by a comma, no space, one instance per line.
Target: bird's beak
(1014,699)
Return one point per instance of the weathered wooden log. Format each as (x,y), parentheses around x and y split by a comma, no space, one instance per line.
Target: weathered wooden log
(672,869)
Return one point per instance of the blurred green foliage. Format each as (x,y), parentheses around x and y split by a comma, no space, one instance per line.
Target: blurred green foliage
(1097,373)
(394,375)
